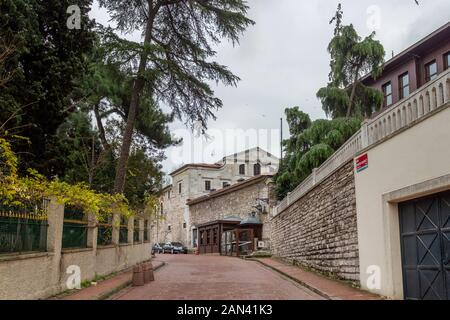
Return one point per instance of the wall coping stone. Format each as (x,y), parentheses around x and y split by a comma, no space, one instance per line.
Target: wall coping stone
(24,256)
(68,251)
(109,246)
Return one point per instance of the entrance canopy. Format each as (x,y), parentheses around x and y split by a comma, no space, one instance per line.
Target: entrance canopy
(229,236)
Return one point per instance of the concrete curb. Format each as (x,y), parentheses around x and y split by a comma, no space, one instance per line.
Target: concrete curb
(302,283)
(107,294)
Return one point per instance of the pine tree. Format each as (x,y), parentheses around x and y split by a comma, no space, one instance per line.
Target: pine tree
(173,65)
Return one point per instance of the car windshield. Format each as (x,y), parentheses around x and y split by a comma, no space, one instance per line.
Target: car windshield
(177,244)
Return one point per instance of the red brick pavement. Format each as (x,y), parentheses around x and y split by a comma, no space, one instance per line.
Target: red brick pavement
(331,289)
(106,287)
(216,278)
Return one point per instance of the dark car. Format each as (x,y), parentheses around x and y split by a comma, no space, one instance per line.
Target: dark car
(179,247)
(157,248)
(174,247)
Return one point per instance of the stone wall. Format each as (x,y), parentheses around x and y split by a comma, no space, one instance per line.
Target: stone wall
(320,230)
(193,176)
(239,201)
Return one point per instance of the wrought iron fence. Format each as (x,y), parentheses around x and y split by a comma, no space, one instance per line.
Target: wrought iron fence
(104,235)
(145,230)
(123,234)
(136,230)
(23,229)
(75,228)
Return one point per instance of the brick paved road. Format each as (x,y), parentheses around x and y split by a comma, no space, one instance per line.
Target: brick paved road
(216,278)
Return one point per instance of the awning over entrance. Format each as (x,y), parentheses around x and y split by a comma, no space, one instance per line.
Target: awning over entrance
(229,236)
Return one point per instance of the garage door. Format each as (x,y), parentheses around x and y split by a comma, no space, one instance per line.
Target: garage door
(425,234)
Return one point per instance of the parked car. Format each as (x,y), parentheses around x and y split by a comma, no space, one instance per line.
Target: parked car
(174,247)
(158,248)
(179,247)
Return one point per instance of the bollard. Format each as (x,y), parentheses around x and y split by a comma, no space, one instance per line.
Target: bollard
(151,276)
(138,276)
(146,268)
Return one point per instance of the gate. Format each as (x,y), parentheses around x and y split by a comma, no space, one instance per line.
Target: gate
(425,242)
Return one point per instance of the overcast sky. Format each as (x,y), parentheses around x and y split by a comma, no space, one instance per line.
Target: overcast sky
(283,61)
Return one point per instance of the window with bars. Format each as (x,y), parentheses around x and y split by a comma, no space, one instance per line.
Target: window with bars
(207,185)
(242,169)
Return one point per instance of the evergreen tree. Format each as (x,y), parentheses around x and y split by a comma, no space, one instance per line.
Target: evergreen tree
(47,60)
(311,143)
(351,58)
(174,63)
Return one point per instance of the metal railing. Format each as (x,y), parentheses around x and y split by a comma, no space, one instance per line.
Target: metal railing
(75,228)
(104,234)
(23,229)
(123,234)
(401,115)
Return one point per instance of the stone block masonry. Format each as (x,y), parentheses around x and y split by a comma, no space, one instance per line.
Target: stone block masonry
(319,230)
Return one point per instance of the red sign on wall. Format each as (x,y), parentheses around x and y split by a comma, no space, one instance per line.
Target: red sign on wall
(362,163)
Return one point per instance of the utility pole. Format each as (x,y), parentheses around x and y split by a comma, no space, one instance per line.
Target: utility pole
(281,140)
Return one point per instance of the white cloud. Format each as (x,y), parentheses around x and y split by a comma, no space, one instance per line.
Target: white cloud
(283,61)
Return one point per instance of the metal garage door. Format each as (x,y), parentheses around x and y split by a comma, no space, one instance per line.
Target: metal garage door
(425,234)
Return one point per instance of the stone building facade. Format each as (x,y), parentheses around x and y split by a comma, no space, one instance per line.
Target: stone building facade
(191,181)
(253,196)
(319,230)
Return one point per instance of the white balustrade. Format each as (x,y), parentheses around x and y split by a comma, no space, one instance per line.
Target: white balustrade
(397,117)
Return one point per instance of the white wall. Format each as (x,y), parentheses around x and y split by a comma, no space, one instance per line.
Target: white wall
(419,154)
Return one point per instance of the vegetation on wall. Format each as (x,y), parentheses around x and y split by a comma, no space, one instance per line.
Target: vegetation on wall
(27,192)
(310,144)
(345,99)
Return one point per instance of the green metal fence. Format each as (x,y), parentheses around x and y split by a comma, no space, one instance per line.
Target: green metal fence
(123,234)
(75,228)
(22,233)
(145,230)
(104,235)
(136,231)
(23,229)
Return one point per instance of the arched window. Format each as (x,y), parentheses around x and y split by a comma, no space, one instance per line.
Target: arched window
(256,169)
(242,169)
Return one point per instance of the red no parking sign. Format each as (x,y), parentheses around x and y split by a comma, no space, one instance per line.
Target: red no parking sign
(362,163)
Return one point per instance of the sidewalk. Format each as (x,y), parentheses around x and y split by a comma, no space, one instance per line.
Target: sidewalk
(327,288)
(106,288)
